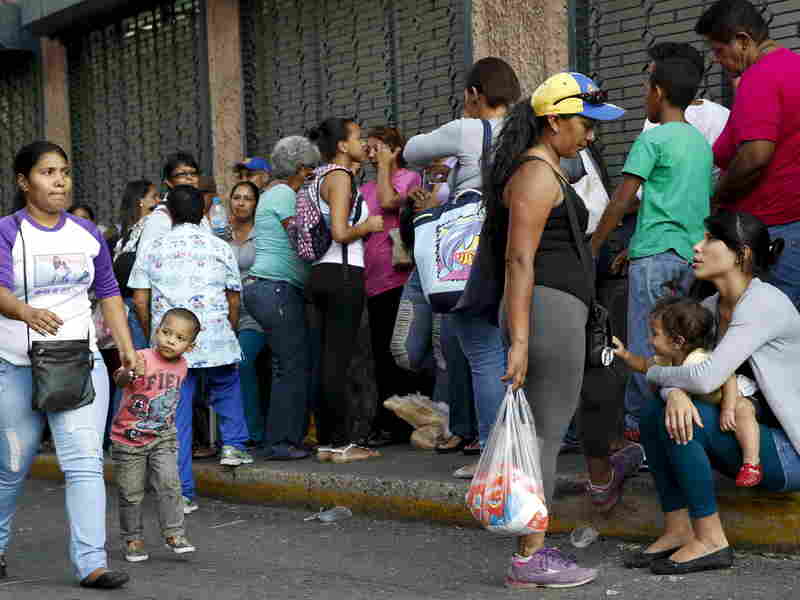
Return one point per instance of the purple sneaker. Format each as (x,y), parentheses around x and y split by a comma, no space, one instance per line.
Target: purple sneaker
(624,463)
(628,459)
(548,568)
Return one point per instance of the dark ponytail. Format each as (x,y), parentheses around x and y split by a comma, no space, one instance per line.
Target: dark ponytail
(739,231)
(26,159)
(328,134)
(521,131)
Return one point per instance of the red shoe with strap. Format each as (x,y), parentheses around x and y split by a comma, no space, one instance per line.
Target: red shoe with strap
(750,475)
(632,435)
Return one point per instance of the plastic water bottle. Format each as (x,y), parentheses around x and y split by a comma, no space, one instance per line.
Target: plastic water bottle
(337,513)
(218,217)
(581,537)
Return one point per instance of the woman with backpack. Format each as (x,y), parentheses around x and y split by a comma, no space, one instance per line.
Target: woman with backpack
(138,201)
(337,283)
(275,299)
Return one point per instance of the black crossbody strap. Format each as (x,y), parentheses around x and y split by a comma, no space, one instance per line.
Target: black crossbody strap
(572,217)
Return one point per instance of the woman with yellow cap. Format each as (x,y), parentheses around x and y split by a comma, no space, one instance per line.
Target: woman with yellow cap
(548,291)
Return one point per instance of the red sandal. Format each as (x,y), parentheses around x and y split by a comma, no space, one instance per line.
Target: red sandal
(749,475)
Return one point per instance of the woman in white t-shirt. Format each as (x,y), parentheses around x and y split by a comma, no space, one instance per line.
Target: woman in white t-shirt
(42,238)
(336,284)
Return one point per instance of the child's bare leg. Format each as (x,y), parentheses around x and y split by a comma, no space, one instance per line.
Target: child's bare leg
(747,432)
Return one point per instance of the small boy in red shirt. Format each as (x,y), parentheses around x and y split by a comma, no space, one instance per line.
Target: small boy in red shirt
(144,438)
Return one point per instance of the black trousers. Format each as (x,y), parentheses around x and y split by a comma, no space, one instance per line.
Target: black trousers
(391,379)
(602,410)
(338,294)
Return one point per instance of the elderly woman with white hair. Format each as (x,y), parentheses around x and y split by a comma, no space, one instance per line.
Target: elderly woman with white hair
(276,300)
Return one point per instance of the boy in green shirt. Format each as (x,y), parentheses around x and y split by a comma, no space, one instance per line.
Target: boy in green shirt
(673,163)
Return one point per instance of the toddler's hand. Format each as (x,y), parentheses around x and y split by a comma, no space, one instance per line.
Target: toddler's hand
(619,347)
(727,420)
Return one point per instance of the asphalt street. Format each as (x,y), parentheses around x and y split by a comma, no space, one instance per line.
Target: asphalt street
(256,552)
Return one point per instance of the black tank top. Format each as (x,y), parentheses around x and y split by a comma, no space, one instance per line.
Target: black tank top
(557,264)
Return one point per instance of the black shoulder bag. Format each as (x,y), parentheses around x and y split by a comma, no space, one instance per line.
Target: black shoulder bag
(61,370)
(123,265)
(599,349)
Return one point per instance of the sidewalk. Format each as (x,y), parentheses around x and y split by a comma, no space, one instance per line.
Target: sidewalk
(412,484)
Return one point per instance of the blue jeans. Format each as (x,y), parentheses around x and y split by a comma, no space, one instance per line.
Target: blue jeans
(460,394)
(78,437)
(649,279)
(140,341)
(417,345)
(280,309)
(482,344)
(252,343)
(785,275)
(683,473)
(225,397)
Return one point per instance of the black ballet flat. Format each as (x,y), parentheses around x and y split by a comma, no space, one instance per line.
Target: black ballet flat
(110,580)
(721,559)
(642,560)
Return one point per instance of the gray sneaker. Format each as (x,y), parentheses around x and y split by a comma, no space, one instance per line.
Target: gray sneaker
(135,552)
(189,506)
(233,457)
(547,568)
(179,544)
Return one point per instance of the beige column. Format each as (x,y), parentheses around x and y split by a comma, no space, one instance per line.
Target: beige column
(225,83)
(531,35)
(56,93)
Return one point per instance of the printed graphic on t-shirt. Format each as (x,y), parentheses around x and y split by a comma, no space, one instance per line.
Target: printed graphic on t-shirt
(51,270)
(149,404)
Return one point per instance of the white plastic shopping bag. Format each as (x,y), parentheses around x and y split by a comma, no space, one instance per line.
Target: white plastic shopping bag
(507,494)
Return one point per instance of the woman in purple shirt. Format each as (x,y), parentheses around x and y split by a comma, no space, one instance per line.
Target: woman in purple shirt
(58,309)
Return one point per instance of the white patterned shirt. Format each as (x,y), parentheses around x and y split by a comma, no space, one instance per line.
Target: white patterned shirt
(191,268)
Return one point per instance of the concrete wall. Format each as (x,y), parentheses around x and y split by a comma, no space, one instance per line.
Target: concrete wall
(56,93)
(530,34)
(225,85)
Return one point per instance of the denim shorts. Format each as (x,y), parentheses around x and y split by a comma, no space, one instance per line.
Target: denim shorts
(789,458)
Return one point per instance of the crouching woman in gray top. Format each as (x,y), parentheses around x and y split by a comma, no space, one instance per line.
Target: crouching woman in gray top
(758,329)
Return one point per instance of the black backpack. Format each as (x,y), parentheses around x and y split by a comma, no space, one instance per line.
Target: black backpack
(123,265)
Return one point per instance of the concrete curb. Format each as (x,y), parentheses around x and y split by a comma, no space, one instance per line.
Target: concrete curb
(751,518)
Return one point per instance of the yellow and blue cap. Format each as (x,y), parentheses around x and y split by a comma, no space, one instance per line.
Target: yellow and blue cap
(573,94)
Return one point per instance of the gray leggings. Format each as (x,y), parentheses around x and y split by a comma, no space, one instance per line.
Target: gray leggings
(556,355)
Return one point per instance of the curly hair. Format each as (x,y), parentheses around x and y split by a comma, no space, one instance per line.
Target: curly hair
(291,153)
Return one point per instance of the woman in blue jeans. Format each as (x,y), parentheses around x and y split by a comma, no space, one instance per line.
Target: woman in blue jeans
(276,299)
(491,87)
(62,258)
(683,439)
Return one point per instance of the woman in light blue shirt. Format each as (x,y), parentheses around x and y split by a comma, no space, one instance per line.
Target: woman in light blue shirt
(276,300)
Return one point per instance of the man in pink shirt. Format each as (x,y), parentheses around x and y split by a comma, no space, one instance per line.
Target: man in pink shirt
(759,148)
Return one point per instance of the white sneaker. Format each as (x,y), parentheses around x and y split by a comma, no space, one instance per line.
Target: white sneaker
(466,472)
(189,506)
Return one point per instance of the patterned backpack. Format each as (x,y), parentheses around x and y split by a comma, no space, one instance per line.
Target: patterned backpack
(309,233)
